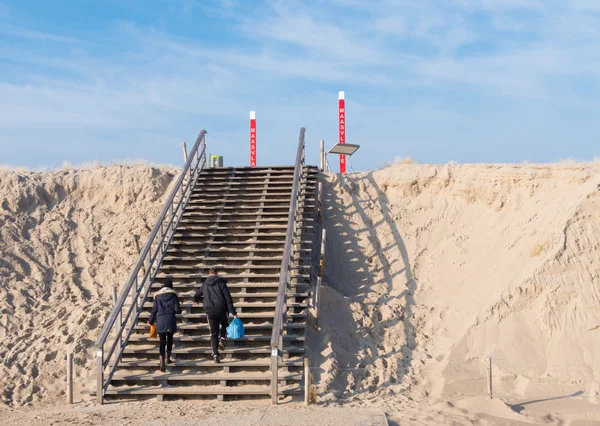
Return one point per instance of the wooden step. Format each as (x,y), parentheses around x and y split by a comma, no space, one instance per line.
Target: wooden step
(242,295)
(199,390)
(262,226)
(193,263)
(259,199)
(230,214)
(240,222)
(238,305)
(208,351)
(255,232)
(206,339)
(177,276)
(219,244)
(194,234)
(182,248)
(241,315)
(240,377)
(191,208)
(219,188)
(207,363)
(201,327)
(259,169)
(213,260)
(261,193)
(191,286)
(222,268)
(249,200)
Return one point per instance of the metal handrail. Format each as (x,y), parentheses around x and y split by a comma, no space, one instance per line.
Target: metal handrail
(284,278)
(149,261)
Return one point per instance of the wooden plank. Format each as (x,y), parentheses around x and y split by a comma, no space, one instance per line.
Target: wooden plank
(191,286)
(210,363)
(233,251)
(192,234)
(177,244)
(208,351)
(198,390)
(169,258)
(204,326)
(228,228)
(209,199)
(226,276)
(265,305)
(237,305)
(253,193)
(248,200)
(146,339)
(227,215)
(222,268)
(146,315)
(243,294)
(217,188)
(245,377)
(196,208)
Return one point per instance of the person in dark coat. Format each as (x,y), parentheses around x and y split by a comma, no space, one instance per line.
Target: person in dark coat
(166,306)
(217,303)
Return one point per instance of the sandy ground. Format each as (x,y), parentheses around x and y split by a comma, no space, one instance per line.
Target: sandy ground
(397,411)
(430,271)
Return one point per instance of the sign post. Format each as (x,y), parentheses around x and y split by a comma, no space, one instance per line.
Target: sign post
(342,127)
(252,138)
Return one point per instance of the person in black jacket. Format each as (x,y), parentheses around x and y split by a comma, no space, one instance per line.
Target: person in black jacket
(217,303)
(166,306)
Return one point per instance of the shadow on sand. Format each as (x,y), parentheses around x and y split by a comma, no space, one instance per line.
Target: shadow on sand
(520,407)
(344,225)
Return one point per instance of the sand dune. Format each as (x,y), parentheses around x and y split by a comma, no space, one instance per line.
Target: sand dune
(432,269)
(66,238)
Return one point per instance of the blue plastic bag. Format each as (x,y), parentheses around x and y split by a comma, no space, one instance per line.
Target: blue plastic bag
(235,329)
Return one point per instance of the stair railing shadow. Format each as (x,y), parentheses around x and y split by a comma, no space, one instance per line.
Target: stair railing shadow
(339,219)
(381,202)
(521,406)
(342,239)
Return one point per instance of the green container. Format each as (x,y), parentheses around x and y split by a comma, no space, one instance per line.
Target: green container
(215,161)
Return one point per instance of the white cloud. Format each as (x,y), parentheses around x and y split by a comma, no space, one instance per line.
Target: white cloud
(23,33)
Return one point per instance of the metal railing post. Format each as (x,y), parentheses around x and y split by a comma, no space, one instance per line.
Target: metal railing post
(185,153)
(119,317)
(135,297)
(322,165)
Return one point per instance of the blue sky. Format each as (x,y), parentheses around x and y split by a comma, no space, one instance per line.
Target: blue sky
(437,80)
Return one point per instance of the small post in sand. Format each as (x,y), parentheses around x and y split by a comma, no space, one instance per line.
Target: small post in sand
(119,318)
(491,395)
(69,378)
(100,376)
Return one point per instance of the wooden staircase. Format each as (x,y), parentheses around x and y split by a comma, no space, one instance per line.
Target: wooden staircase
(235,219)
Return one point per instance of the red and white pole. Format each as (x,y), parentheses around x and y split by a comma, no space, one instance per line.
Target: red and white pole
(252,138)
(342,127)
